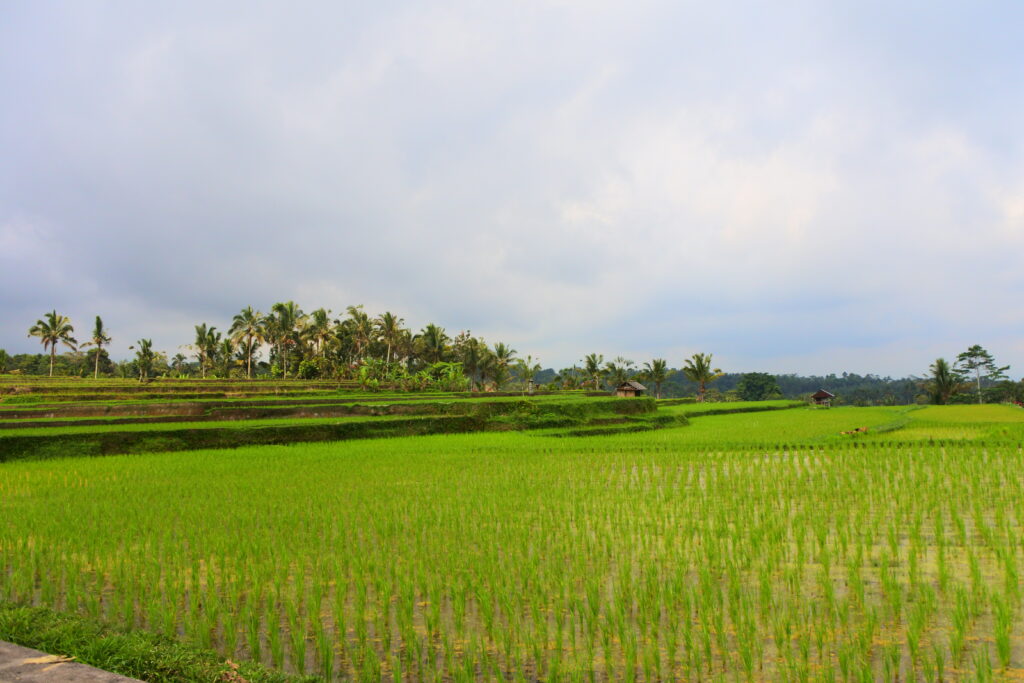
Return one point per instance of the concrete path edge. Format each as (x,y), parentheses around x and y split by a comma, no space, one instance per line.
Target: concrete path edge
(24,665)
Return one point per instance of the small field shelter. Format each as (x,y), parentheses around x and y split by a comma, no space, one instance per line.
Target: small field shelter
(822,398)
(630,389)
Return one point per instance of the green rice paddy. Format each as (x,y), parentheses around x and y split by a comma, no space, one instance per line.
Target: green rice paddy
(744,546)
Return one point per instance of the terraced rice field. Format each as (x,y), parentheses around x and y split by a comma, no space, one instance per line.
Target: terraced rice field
(744,546)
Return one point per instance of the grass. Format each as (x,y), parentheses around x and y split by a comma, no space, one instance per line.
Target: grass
(135,653)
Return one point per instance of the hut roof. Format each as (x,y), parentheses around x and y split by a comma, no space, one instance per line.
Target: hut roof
(821,393)
(631,384)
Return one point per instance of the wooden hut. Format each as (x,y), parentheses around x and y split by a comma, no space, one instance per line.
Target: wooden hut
(822,398)
(630,389)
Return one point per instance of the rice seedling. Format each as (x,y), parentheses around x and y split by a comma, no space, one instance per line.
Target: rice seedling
(663,555)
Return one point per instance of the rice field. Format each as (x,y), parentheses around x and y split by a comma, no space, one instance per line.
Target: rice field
(752,546)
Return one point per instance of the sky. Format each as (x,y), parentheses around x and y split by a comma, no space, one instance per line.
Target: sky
(795,187)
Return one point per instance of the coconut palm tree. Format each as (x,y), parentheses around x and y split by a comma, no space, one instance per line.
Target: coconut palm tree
(224,353)
(285,316)
(361,328)
(618,370)
(179,364)
(526,368)
(472,354)
(98,339)
(389,326)
(318,330)
(656,372)
(592,366)
(945,381)
(247,325)
(205,346)
(433,343)
(498,363)
(54,329)
(144,357)
(698,369)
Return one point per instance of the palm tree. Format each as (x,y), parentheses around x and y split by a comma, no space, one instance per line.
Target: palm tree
(497,363)
(55,329)
(945,381)
(592,365)
(433,343)
(656,372)
(224,353)
(285,317)
(205,346)
(472,354)
(98,339)
(144,357)
(389,326)
(318,329)
(179,363)
(361,328)
(618,370)
(698,369)
(247,325)
(526,368)
(569,378)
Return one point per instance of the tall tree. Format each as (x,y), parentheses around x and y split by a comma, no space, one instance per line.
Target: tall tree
(144,357)
(179,364)
(618,370)
(526,369)
(494,365)
(945,381)
(361,327)
(285,316)
(982,365)
(472,353)
(433,343)
(318,330)
(389,327)
(592,364)
(247,325)
(656,372)
(205,346)
(98,339)
(53,329)
(698,369)
(758,386)
(224,352)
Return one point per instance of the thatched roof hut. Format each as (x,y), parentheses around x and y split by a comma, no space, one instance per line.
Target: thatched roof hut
(630,389)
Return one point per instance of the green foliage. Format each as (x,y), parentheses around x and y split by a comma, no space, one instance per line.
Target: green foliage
(945,381)
(134,653)
(758,386)
(307,369)
(53,329)
(145,358)
(979,362)
(698,368)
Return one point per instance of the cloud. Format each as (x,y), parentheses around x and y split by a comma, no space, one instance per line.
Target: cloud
(799,188)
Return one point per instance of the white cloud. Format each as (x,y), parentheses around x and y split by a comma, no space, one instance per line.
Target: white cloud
(650,179)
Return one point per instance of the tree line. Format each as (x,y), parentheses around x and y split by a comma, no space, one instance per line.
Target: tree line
(375,350)
(382,351)
(973,377)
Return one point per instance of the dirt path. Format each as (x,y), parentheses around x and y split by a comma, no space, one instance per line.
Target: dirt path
(23,665)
